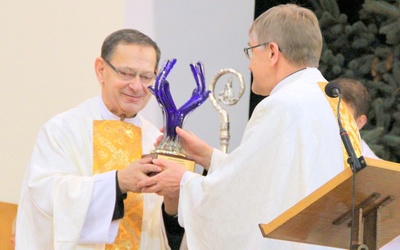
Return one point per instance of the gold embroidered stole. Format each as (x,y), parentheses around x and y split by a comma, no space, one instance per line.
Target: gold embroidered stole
(115,145)
(348,123)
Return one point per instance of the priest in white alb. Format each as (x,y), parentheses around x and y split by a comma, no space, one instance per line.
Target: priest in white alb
(290,147)
(80,190)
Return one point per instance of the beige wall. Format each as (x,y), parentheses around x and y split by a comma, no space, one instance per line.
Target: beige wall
(47,52)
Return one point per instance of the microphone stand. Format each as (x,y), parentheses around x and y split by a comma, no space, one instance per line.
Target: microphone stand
(356,164)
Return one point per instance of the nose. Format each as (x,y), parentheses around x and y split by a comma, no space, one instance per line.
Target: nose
(136,84)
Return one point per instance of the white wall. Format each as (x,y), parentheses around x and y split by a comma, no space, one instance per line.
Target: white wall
(47,57)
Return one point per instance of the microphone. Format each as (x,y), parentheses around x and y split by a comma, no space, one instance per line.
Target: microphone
(332,89)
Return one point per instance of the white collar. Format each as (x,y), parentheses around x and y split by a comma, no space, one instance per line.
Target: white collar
(291,78)
(107,115)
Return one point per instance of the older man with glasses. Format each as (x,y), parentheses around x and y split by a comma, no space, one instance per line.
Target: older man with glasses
(80,188)
(291,145)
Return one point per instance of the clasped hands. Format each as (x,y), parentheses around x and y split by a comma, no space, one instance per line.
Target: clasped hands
(168,174)
(166,182)
(149,175)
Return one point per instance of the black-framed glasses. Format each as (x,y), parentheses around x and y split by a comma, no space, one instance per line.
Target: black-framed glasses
(249,51)
(129,75)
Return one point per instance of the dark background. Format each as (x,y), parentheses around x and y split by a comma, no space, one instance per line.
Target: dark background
(348,7)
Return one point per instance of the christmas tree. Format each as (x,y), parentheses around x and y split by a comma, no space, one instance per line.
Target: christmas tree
(367,50)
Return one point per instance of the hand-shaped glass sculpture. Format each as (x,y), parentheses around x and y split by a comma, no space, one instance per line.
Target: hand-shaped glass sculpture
(173,117)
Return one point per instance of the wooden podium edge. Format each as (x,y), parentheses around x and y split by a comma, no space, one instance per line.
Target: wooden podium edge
(268,228)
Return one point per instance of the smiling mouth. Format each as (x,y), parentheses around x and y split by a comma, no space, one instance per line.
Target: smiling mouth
(131,96)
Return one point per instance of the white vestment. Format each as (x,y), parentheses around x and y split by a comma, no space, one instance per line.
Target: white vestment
(63,205)
(290,147)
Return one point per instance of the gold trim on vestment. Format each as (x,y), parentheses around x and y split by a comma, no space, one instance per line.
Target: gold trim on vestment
(116,144)
(348,123)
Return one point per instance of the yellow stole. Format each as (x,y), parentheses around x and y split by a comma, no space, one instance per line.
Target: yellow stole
(115,145)
(348,123)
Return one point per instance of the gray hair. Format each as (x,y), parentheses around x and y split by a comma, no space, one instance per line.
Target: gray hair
(296,31)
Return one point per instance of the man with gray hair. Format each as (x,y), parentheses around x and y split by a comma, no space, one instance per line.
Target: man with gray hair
(283,155)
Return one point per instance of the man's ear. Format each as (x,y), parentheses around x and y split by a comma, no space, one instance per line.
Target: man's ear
(361,121)
(99,69)
(274,48)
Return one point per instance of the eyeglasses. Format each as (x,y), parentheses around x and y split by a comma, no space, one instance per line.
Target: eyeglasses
(129,75)
(249,51)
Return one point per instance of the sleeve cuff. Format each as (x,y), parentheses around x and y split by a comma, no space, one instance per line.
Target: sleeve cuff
(119,200)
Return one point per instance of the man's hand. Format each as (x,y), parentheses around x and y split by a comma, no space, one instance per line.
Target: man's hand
(195,148)
(129,177)
(165,183)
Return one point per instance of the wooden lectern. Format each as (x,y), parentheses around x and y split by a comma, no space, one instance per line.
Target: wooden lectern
(324,217)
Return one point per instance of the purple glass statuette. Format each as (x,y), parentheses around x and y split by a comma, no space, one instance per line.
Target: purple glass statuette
(173,117)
